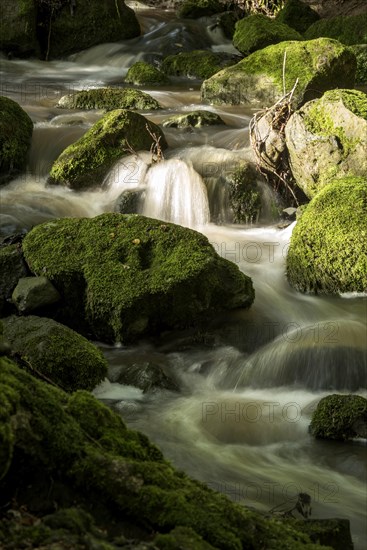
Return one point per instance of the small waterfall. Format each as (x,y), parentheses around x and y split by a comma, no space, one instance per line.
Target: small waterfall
(176,193)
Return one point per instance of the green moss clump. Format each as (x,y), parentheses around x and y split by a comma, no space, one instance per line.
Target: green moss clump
(360,51)
(143,73)
(328,249)
(192,9)
(194,119)
(54,440)
(354,100)
(18,28)
(337,417)
(348,30)
(318,65)
(244,195)
(297,15)
(56,351)
(16,129)
(197,63)
(258,31)
(109,99)
(85,163)
(126,274)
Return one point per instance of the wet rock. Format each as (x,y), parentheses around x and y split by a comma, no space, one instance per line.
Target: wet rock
(199,8)
(109,99)
(126,275)
(194,119)
(32,293)
(55,351)
(340,417)
(146,375)
(16,130)
(143,73)
(327,138)
(319,65)
(196,64)
(12,268)
(129,201)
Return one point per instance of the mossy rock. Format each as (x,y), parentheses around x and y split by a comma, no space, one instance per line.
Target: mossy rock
(360,51)
(297,15)
(86,162)
(227,22)
(57,352)
(91,22)
(340,417)
(18,28)
(258,31)
(194,119)
(12,268)
(192,9)
(73,448)
(109,99)
(350,29)
(319,65)
(327,138)
(328,248)
(143,74)
(244,194)
(34,293)
(16,130)
(126,275)
(196,64)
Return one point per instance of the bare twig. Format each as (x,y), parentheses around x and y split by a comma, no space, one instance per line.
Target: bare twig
(155,149)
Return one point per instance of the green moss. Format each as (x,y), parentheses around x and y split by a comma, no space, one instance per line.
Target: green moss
(85,163)
(199,8)
(56,351)
(181,537)
(336,416)
(12,268)
(197,63)
(16,129)
(143,73)
(318,65)
(347,29)
(194,119)
(360,51)
(18,28)
(109,99)
(258,31)
(244,196)
(297,15)
(136,273)
(328,253)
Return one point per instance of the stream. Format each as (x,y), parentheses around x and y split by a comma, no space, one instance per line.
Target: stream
(250,382)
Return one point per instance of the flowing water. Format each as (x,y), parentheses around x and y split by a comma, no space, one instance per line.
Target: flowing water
(250,381)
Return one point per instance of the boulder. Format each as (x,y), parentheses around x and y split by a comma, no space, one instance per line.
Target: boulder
(55,352)
(144,74)
(360,51)
(258,31)
(196,64)
(12,268)
(18,28)
(109,99)
(86,162)
(121,276)
(192,9)
(347,29)
(130,201)
(146,375)
(328,248)
(298,15)
(194,119)
(327,138)
(244,194)
(319,65)
(57,448)
(33,293)
(340,417)
(16,130)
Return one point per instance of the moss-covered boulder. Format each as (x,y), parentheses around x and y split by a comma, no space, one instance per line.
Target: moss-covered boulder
(244,195)
(192,9)
(12,268)
(57,352)
(298,15)
(109,99)
(16,130)
(124,275)
(196,64)
(194,119)
(319,65)
(327,138)
(144,74)
(89,22)
(360,51)
(86,162)
(59,451)
(18,27)
(328,248)
(350,29)
(258,31)
(340,417)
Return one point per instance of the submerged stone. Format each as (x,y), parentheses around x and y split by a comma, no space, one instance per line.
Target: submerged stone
(340,417)
(109,99)
(125,275)
(318,65)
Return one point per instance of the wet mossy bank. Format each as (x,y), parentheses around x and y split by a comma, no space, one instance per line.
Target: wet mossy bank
(59,451)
